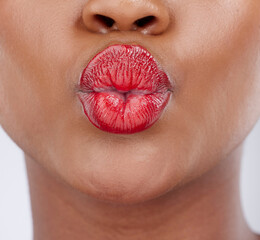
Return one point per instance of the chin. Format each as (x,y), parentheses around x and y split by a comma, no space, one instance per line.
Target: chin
(120,175)
(125,188)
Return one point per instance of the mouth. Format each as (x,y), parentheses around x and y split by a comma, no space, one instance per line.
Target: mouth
(123,89)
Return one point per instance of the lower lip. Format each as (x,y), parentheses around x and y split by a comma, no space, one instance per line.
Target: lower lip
(123,89)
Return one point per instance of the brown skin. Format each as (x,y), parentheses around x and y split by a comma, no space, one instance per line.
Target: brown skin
(175,180)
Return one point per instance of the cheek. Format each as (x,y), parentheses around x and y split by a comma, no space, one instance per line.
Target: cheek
(34,82)
(220,55)
(218,95)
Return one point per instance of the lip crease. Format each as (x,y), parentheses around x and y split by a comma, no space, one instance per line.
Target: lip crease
(123,89)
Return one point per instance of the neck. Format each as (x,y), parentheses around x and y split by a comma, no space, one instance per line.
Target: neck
(207,208)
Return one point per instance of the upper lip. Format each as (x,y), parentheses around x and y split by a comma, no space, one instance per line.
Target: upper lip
(82,88)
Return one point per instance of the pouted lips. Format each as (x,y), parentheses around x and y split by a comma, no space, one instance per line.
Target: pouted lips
(123,89)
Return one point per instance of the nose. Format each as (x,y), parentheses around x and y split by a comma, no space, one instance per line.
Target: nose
(147,16)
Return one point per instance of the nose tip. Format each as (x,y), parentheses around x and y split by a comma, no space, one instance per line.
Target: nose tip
(146,16)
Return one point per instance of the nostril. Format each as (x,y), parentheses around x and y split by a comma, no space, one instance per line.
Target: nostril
(145,21)
(106,21)
(146,17)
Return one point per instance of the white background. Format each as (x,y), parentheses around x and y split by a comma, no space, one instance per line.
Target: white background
(15,212)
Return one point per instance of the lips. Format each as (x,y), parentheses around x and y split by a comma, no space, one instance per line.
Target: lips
(124,90)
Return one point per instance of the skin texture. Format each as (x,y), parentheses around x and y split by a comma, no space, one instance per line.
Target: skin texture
(162,182)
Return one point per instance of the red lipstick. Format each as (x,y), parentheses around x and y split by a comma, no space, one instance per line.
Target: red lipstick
(123,89)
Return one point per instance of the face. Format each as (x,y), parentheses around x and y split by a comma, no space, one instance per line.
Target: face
(209,49)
